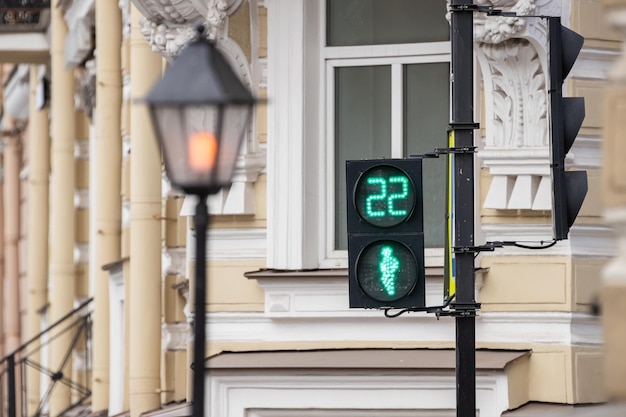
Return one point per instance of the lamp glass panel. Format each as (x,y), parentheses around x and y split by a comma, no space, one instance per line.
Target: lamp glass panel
(190,140)
(234,122)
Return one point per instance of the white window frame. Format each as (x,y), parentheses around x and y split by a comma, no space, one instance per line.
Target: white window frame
(300,226)
(395,56)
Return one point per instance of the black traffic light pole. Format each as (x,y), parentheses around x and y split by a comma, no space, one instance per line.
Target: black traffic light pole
(463,125)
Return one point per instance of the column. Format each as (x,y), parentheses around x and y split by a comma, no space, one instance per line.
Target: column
(62,228)
(106,183)
(38,151)
(145,234)
(12,158)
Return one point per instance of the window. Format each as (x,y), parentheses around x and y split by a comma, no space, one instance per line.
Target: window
(349,79)
(387,95)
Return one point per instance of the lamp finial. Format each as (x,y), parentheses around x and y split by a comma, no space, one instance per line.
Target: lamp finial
(200,28)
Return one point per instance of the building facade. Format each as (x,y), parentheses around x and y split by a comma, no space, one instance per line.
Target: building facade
(90,220)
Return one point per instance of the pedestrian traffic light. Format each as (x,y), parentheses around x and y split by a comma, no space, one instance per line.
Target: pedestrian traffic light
(385,233)
(569,188)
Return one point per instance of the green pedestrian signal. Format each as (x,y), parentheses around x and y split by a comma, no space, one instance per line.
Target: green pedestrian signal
(387,271)
(385,233)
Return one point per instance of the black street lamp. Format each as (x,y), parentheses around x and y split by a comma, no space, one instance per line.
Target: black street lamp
(200,110)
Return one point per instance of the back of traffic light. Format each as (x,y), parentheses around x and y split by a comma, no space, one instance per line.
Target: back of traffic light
(569,188)
(385,233)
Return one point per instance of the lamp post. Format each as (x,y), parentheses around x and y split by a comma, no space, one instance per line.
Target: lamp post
(200,110)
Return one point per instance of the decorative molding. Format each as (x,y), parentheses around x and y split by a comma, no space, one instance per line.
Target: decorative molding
(521,178)
(320,297)
(167,190)
(85,97)
(238,198)
(124,6)
(79,44)
(81,253)
(125,214)
(81,360)
(173,261)
(328,393)
(16,93)
(166,40)
(515,90)
(75,11)
(585,241)
(496,29)
(595,64)
(79,16)
(81,149)
(492,328)
(320,305)
(230,244)
(81,198)
(168,24)
(512,54)
(175,336)
(574,329)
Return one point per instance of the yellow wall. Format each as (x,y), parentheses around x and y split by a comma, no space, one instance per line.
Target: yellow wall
(588,18)
(540,283)
(229,290)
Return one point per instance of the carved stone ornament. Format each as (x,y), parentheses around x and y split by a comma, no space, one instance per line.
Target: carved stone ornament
(85,97)
(512,54)
(124,6)
(168,24)
(495,29)
(515,86)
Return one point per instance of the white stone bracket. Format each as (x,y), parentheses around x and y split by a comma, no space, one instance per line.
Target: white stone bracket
(511,52)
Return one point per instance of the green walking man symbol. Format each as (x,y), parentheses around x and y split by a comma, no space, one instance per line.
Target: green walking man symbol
(388,267)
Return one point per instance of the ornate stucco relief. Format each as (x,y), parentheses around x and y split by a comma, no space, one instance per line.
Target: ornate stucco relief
(168,25)
(512,54)
(517,91)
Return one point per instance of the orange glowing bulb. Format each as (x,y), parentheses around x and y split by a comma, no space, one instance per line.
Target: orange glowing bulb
(202,151)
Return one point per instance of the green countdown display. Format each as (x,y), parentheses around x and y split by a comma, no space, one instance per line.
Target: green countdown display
(387,270)
(384,196)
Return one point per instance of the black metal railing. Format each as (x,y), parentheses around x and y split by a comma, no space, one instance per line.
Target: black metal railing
(15,367)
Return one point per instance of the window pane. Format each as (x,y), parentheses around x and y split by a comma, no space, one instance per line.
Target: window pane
(376,22)
(362,128)
(427,115)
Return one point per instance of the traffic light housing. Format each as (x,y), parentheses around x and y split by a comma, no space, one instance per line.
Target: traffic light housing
(385,233)
(569,188)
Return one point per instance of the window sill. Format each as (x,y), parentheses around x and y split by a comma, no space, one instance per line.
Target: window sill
(324,292)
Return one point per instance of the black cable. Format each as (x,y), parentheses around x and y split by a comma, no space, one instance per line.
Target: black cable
(432,309)
(549,245)
(543,244)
